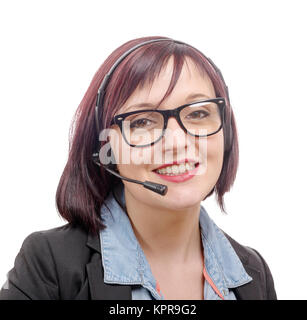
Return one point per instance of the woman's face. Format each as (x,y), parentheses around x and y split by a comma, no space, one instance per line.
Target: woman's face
(176,145)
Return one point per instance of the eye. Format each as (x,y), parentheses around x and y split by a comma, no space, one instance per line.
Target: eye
(140,123)
(197,114)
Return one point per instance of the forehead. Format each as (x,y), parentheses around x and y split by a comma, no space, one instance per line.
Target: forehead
(191,80)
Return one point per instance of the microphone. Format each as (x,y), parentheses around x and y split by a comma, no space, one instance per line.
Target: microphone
(155,187)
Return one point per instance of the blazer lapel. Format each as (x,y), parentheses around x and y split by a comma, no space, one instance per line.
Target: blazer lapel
(98,289)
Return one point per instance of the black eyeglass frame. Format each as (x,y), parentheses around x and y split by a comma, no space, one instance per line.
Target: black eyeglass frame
(118,119)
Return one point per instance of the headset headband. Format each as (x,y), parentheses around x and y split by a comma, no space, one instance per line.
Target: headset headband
(105,81)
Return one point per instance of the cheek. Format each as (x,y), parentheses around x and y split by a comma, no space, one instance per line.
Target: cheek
(130,160)
(215,154)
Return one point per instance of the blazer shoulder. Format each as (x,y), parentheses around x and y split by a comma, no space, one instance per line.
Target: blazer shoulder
(66,235)
(57,240)
(67,245)
(50,265)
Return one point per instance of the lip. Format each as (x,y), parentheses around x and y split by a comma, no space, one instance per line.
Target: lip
(176,162)
(180,177)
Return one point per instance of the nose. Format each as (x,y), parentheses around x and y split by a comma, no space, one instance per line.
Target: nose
(173,124)
(174,134)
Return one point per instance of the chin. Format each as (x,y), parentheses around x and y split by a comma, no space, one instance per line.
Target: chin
(183,198)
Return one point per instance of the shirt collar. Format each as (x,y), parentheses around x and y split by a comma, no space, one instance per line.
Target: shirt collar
(124,261)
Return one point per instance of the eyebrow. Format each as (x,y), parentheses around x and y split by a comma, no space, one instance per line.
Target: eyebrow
(144,105)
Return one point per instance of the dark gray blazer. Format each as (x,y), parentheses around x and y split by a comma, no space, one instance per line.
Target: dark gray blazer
(65,263)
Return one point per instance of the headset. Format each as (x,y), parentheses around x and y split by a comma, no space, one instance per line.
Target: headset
(158,188)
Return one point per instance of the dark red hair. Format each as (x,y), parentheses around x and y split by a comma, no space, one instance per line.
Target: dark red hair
(84,186)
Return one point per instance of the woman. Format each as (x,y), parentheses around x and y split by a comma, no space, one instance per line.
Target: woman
(161,120)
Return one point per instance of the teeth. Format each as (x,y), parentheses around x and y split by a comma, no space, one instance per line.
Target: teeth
(182,168)
(177,169)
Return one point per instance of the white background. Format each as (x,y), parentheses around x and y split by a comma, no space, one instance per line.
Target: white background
(50,51)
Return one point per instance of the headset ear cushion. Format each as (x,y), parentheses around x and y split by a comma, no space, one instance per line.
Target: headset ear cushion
(112,164)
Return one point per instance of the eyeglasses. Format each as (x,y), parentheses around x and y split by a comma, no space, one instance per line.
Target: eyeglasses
(144,128)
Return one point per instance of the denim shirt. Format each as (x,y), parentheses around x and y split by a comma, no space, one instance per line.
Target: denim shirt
(125,263)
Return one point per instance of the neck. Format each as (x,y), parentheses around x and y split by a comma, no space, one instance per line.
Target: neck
(165,234)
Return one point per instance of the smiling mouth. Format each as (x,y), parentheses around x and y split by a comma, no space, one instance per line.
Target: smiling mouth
(177,169)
